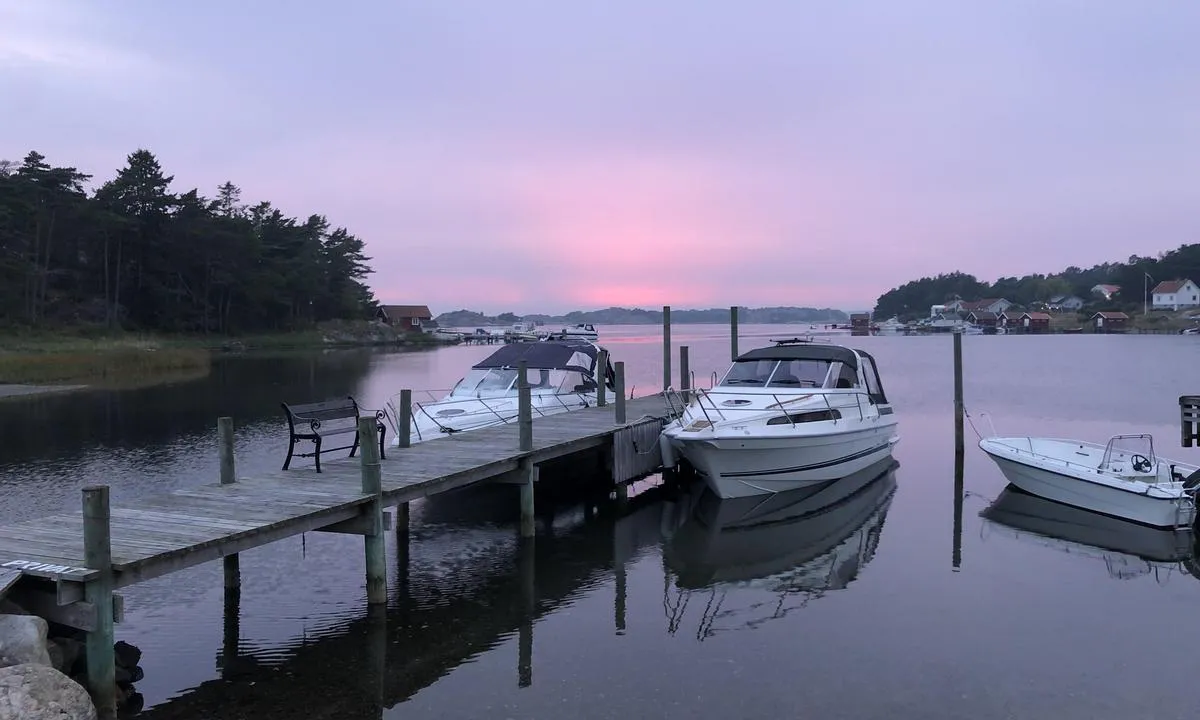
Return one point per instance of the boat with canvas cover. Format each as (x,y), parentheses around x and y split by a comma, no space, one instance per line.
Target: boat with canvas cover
(562,376)
(1123,478)
(784,417)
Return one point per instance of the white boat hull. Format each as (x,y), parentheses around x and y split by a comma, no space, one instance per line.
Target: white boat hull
(1145,509)
(746,466)
(487,412)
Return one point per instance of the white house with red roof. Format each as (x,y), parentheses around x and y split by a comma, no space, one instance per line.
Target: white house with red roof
(1175,294)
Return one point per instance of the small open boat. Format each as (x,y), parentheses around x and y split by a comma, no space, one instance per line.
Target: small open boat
(1123,479)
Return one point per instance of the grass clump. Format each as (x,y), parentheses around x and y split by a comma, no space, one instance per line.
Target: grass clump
(121,364)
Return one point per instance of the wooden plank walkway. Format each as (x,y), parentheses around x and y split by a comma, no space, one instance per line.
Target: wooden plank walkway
(162,533)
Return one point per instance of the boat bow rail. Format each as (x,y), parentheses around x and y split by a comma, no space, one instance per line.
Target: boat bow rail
(710,404)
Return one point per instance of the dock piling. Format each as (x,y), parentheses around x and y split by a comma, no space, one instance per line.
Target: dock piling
(601,378)
(733,333)
(666,313)
(958,393)
(97,553)
(530,471)
(404,419)
(524,407)
(1189,420)
(685,378)
(233,571)
(619,390)
(374,544)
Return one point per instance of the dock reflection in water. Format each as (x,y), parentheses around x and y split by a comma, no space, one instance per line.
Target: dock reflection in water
(795,546)
(1128,550)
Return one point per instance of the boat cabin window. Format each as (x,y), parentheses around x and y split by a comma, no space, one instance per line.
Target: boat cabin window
(874,386)
(485,381)
(778,373)
(846,377)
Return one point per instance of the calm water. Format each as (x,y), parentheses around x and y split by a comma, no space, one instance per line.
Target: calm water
(653,610)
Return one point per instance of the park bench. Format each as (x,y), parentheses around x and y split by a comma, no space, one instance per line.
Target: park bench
(320,421)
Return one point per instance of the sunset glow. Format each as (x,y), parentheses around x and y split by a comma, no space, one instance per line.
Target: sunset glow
(550,157)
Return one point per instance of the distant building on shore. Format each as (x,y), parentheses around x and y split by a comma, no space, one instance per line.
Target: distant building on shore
(1175,294)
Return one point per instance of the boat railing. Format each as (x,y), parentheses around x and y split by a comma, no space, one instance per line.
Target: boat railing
(502,409)
(705,400)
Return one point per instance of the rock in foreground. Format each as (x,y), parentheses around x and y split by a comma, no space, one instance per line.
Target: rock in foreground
(39,692)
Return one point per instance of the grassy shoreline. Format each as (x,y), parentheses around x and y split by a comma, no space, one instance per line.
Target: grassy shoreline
(78,358)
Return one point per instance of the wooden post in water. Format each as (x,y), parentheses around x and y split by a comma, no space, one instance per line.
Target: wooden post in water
(97,554)
(958,393)
(733,333)
(666,347)
(619,390)
(524,407)
(233,572)
(404,419)
(530,471)
(528,572)
(685,378)
(956,552)
(601,378)
(374,543)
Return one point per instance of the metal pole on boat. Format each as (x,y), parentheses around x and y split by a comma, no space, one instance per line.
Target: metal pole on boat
(404,420)
(733,333)
(666,347)
(601,378)
(619,390)
(958,393)
(524,407)
(685,380)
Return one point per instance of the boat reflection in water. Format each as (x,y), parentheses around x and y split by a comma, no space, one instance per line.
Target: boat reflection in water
(1129,550)
(794,546)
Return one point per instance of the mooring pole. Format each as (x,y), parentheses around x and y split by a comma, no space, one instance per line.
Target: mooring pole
(524,407)
(619,390)
(666,313)
(956,548)
(685,377)
(530,471)
(733,333)
(233,573)
(528,572)
(404,419)
(97,554)
(374,543)
(601,378)
(958,393)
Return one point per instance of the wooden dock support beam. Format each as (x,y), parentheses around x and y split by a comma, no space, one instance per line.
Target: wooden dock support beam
(374,543)
(685,375)
(97,553)
(733,333)
(601,378)
(404,419)
(524,407)
(666,347)
(233,571)
(619,390)
(530,470)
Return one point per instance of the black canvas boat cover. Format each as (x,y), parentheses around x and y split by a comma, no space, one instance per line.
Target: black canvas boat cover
(804,351)
(547,355)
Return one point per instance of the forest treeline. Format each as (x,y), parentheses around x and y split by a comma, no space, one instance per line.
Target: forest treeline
(914,298)
(133,255)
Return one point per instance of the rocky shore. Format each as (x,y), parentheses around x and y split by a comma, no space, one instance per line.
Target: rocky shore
(43,669)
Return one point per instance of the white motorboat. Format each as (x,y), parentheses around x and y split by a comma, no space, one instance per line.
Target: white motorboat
(891,326)
(581,331)
(784,417)
(1123,479)
(562,375)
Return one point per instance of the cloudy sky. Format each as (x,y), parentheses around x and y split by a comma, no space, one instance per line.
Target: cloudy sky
(572,154)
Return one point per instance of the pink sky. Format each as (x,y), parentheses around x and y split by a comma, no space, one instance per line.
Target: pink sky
(543,157)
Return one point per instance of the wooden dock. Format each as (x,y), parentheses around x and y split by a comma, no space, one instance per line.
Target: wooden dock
(71,562)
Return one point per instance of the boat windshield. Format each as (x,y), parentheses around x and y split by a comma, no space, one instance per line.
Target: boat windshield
(778,373)
(485,381)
